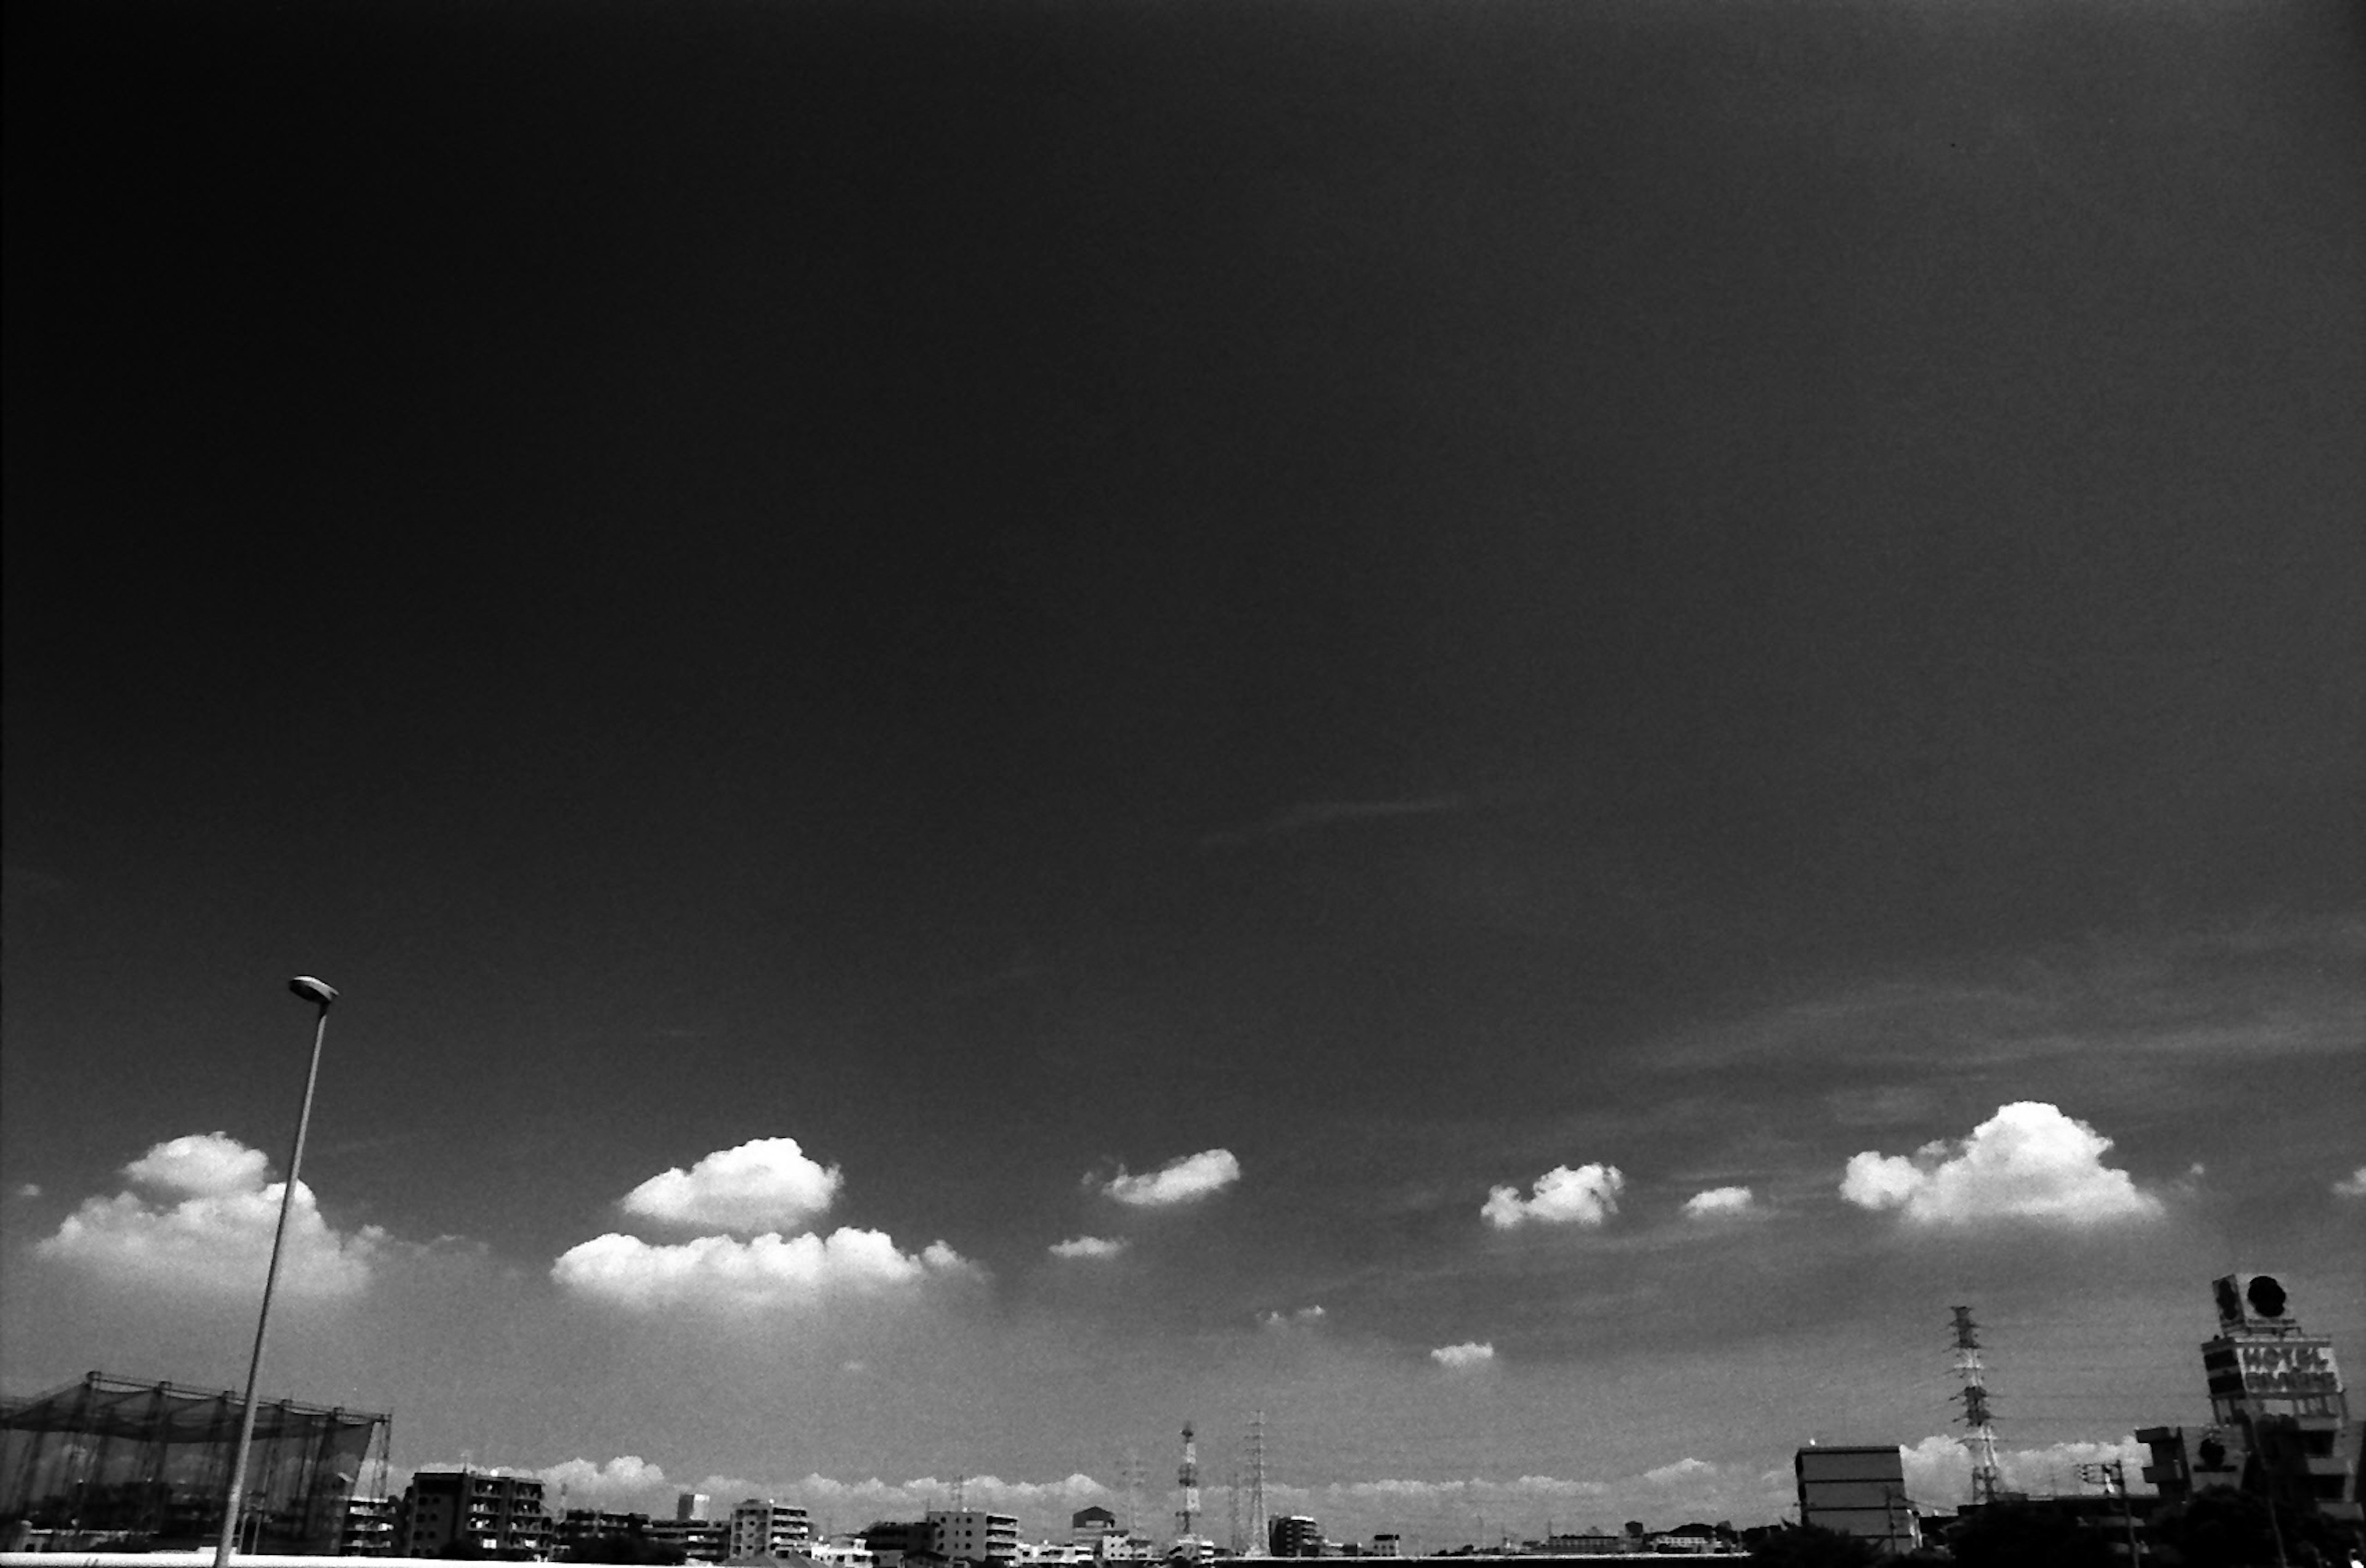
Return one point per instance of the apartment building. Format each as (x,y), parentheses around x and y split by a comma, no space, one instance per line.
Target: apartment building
(498,1515)
(973,1535)
(761,1526)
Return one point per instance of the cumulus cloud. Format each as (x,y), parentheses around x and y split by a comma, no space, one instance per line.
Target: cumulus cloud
(1471,1353)
(1088,1247)
(625,1478)
(2351,1186)
(1586,1196)
(769,1271)
(761,1185)
(1178,1181)
(2028,1161)
(216,1239)
(1938,1470)
(30,1189)
(1305,1316)
(1720,1201)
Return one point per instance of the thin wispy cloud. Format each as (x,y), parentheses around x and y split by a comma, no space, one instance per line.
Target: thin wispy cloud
(1304,1317)
(2030,1161)
(1088,1247)
(1587,1195)
(1184,1180)
(1308,815)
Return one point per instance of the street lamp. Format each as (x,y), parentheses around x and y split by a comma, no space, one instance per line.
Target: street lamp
(320,993)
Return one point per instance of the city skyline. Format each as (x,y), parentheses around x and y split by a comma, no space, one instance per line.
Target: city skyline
(1512,729)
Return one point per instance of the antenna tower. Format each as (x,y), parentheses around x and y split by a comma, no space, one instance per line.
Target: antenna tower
(960,1490)
(1259,1527)
(1133,1493)
(1980,1439)
(1187,1476)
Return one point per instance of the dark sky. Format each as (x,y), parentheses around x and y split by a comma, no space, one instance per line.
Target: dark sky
(1010,586)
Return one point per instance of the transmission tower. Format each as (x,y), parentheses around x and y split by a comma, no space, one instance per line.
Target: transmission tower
(1133,1494)
(1258,1526)
(1980,1437)
(1187,1476)
(1233,1506)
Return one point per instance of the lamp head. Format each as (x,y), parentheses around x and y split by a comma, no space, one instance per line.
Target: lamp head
(313,990)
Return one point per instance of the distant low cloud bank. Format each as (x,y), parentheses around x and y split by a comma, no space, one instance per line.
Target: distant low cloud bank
(197,1220)
(1586,1196)
(2029,1161)
(2351,1186)
(1183,1180)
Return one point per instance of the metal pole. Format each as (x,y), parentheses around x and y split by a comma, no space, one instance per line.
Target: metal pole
(313,990)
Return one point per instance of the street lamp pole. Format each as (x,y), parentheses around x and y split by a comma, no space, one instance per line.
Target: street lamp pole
(320,993)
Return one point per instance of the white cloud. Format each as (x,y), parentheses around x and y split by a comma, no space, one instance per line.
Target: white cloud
(217,1240)
(1720,1201)
(2028,1161)
(30,1189)
(625,1479)
(2351,1186)
(1473,1353)
(1586,1196)
(1685,1469)
(200,1165)
(768,1270)
(1939,1470)
(1305,1316)
(1178,1181)
(761,1185)
(1088,1247)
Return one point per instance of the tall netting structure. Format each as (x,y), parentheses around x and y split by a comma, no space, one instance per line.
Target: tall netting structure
(108,1459)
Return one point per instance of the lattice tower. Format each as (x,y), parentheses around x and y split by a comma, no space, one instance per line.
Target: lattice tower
(1979,1439)
(1186,1477)
(1259,1542)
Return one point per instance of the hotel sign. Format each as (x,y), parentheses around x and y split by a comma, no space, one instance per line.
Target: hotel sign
(2288,1366)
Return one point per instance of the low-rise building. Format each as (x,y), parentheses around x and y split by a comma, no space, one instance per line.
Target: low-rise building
(498,1515)
(698,1540)
(974,1535)
(1295,1535)
(1858,1491)
(761,1527)
(369,1530)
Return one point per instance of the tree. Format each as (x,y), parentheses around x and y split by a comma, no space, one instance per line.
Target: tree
(1812,1546)
(2018,1535)
(2220,1528)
